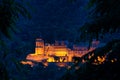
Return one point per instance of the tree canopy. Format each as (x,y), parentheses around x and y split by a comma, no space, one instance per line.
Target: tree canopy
(104,17)
(10,12)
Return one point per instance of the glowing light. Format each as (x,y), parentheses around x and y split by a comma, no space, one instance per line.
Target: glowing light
(61,53)
(27,62)
(61,64)
(64,54)
(50,59)
(92,54)
(112,61)
(68,67)
(77,67)
(39,46)
(33,57)
(38,51)
(95,60)
(76,61)
(89,57)
(83,61)
(45,64)
(101,59)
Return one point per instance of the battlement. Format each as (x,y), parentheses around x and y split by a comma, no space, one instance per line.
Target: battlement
(58,52)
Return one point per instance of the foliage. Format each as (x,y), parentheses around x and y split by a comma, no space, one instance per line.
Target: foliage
(10,12)
(108,70)
(3,72)
(104,18)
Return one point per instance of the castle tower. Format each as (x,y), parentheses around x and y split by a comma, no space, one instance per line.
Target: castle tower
(39,49)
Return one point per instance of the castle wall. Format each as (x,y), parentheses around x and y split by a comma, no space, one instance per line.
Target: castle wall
(59,51)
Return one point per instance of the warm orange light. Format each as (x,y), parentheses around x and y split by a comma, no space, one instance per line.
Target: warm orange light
(45,64)
(61,64)
(89,57)
(27,62)
(60,50)
(61,53)
(101,59)
(92,54)
(39,46)
(83,61)
(114,60)
(50,59)
(68,67)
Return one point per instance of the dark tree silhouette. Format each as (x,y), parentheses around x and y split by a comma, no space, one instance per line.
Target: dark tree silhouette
(10,12)
(104,18)
(100,71)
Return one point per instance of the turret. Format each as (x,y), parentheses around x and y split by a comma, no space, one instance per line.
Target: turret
(39,49)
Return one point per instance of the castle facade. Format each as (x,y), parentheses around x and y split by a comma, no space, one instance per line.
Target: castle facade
(58,52)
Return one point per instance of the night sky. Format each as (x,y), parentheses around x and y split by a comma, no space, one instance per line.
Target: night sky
(54,19)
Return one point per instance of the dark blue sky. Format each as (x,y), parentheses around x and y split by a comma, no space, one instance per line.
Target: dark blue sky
(55,19)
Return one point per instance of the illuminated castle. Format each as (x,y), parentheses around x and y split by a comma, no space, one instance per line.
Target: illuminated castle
(58,52)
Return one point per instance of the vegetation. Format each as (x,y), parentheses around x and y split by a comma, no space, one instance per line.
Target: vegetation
(104,18)
(10,12)
(96,68)
(101,63)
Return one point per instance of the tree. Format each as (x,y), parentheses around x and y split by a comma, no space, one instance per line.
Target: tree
(93,69)
(104,18)
(10,12)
